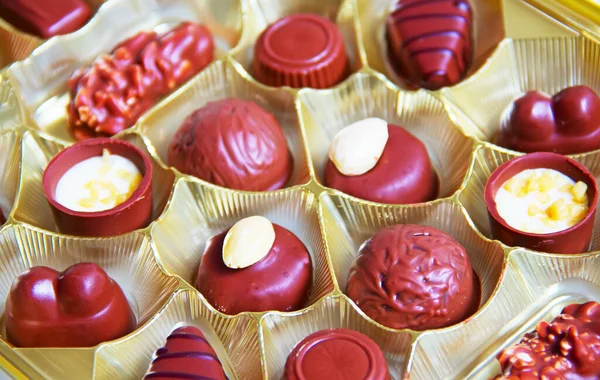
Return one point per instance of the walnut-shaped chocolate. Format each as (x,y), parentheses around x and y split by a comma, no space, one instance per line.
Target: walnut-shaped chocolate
(233,143)
(566,123)
(412,276)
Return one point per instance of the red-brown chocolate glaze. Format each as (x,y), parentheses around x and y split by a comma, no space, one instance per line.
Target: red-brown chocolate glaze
(566,348)
(233,143)
(301,50)
(45,18)
(411,276)
(336,354)
(429,41)
(2,218)
(403,174)
(566,123)
(280,281)
(118,88)
(186,355)
(80,307)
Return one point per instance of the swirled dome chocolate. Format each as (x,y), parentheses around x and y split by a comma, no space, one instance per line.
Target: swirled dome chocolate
(255,266)
(380,162)
(412,276)
(566,348)
(336,354)
(233,143)
(566,123)
(430,42)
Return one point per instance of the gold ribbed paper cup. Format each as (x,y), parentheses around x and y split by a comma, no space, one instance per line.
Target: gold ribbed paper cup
(33,207)
(543,64)
(535,287)
(128,259)
(487,32)
(10,165)
(324,113)
(281,333)
(264,12)
(198,212)
(234,339)
(221,80)
(11,111)
(42,78)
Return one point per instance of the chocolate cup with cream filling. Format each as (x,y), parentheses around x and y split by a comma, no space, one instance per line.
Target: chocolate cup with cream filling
(133,214)
(575,239)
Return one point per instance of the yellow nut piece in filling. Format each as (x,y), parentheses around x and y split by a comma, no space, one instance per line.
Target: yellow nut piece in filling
(542,201)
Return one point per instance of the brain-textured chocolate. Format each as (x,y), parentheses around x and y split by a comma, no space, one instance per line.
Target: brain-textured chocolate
(566,123)
(80,307)
(233,143)
(118,88)
(429,42)
(566,348)
(186,355)
(412,276)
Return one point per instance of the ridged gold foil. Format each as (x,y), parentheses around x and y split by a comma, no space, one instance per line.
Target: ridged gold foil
(522,49)
(235,340)
(281,333)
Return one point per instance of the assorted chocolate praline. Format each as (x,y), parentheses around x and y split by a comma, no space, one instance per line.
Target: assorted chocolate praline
(233,143)
(412,276)
(79,307)
(430,43)
(186,355)
(566,123)
(336,354)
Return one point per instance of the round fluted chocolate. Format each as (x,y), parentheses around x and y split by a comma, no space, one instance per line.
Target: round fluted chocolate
(403,174)
(412,276)
(233,143)
(280,281)
(336,354)
(566,348)
(566,123)
(301,50)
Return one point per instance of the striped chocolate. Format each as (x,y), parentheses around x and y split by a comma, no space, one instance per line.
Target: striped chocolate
(186,355)
(429,41)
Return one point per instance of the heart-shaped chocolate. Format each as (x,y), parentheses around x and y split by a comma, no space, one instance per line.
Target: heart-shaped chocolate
(566,123)
(186,355)
(80,307)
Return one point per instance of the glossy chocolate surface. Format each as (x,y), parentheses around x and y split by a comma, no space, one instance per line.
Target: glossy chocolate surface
(336,354)
(566,348)
(280,281)
(403,174)
(301,50)
(573,240)
(135,213)
(80,307)
(233,143)
(45,18)
(411,276)
(429,41)
(118,88)
(186,355)
(566,123)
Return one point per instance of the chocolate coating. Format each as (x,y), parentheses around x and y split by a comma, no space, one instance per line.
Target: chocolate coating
(45,18)
(566,123)
(430,42)
(403,174)
(566,348)
(80,307)
(301,50)
(280,281)
(186,355)
(411,276)
(233,143)
(2,218)
(118,88)
(336,354)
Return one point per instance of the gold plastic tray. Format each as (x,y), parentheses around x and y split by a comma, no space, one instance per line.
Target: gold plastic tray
(519,45)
